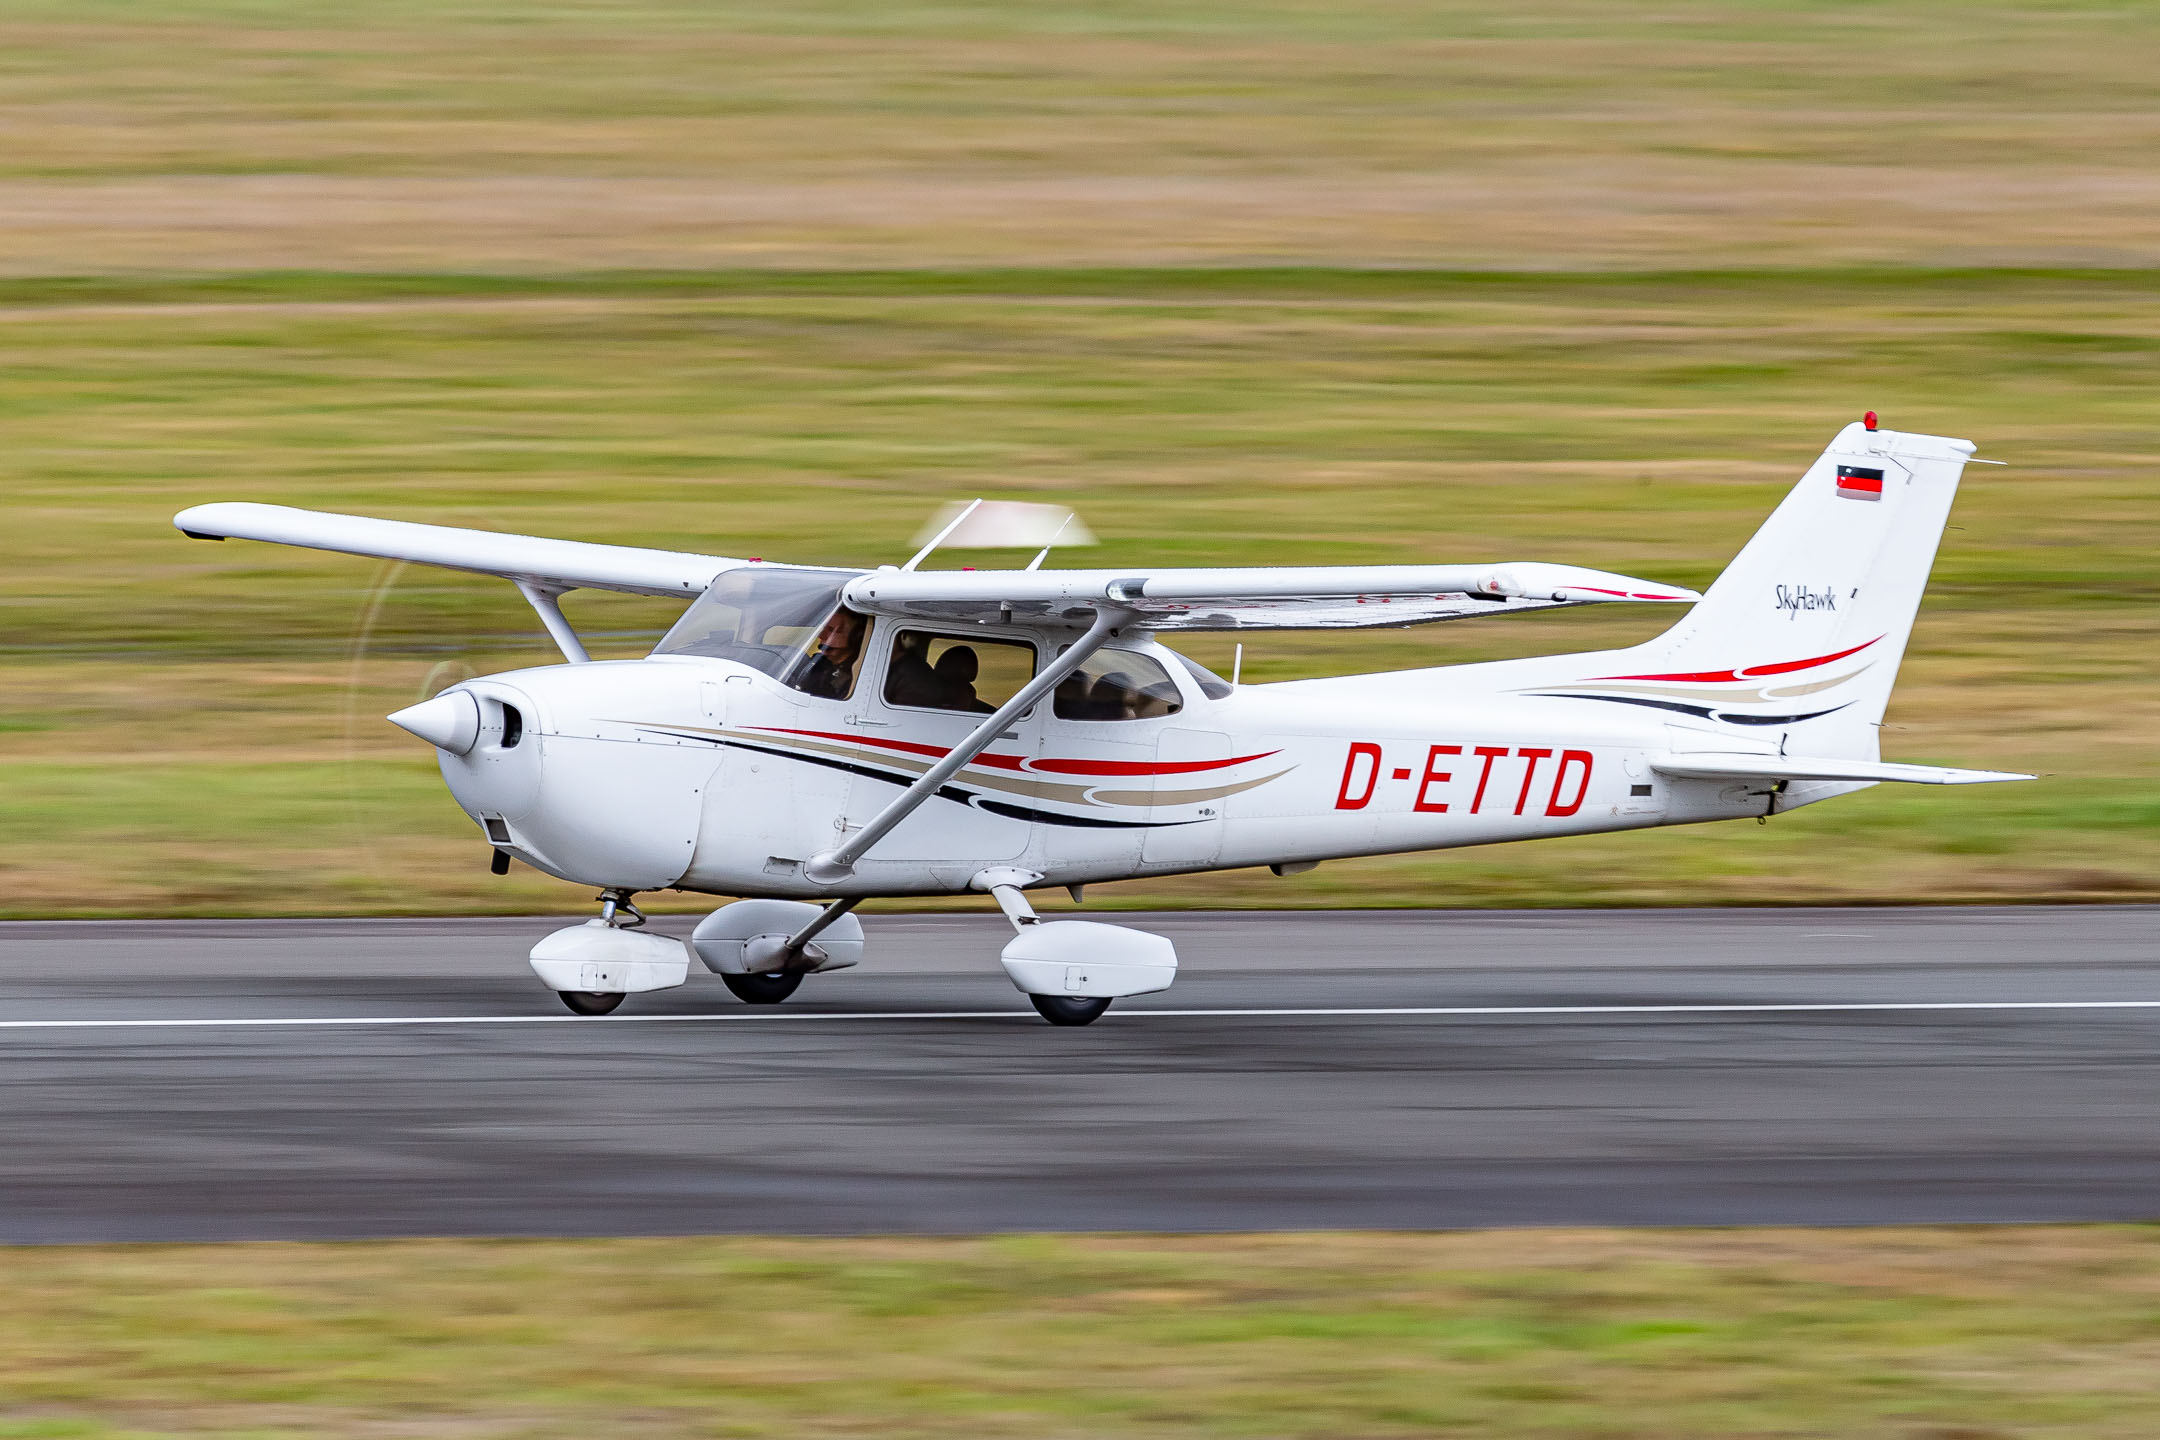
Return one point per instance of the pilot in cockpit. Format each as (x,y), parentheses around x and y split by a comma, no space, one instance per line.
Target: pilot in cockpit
(830,673)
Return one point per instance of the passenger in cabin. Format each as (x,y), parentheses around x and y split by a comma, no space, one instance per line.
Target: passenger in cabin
(1116,685)
(912,681)
(1070,700)
(956,670)
(1114,698)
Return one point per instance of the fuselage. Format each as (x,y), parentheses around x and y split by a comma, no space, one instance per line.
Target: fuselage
(705,774)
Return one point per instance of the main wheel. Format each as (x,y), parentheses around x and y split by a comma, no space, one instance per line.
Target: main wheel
(762,989)
(591,1002)
(1069,1009)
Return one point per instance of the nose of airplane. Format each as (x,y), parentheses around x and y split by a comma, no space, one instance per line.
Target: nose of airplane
(450,721)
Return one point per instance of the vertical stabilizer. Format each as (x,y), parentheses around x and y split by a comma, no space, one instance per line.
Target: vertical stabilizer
(1803,632)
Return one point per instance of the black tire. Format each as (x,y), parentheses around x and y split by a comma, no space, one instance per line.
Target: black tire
(591,1002)
(762,989)
(1069,1009)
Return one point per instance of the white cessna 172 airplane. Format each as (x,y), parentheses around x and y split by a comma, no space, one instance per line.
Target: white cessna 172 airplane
(822,735)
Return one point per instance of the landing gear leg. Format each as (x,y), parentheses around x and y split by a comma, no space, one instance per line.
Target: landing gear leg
(614,904)
(1004,887)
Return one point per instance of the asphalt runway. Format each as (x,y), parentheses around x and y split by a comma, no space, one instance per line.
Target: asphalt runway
(1414,1070)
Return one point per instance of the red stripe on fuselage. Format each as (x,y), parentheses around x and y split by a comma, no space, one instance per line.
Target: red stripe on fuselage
(1142,767)
(1752,672)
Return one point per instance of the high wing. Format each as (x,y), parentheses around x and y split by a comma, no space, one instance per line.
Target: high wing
(552,564)
(1305,597)
(1322,597)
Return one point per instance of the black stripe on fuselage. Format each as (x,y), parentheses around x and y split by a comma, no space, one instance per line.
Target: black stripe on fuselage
(1698,710)
(1704,712)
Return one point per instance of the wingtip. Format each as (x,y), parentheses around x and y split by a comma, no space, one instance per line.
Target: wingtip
(194,523)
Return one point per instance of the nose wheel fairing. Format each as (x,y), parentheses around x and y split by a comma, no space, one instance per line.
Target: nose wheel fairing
(597,958)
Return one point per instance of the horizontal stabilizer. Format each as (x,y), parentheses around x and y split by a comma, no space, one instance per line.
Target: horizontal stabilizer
(1711,766)
(557,564)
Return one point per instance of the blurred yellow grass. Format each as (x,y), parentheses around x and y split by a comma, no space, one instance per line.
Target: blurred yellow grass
(222,134)
(2043,1333)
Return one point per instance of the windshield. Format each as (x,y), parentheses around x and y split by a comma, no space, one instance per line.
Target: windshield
(782,622)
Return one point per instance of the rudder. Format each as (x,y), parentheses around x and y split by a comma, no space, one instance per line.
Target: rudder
(1805,629)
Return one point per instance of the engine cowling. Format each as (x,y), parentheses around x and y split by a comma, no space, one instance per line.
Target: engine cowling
(593,773)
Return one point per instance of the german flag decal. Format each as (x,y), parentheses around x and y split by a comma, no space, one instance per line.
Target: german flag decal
(1856,482)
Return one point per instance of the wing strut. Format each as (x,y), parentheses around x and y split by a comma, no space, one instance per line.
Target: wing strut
(546,601)
(831,866)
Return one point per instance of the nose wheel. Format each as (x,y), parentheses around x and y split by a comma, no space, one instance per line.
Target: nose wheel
(1069,1009)
(590,1002)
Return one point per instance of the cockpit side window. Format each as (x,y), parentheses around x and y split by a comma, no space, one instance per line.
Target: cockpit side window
(787,623)
(1117,685)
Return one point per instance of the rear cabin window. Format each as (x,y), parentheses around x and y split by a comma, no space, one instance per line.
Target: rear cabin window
(1117,685)
(1211,685)
(950,672)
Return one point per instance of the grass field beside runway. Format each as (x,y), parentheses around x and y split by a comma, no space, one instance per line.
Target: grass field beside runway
(2038,1333)
(186,729)
(779,279)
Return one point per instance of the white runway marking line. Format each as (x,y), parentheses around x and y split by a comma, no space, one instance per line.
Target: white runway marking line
(1468,1012)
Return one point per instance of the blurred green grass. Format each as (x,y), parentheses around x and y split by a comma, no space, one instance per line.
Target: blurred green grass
(1915,1334)
(196,729)
(1266,282)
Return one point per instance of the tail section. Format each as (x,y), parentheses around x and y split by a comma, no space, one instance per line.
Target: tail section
(1804,631)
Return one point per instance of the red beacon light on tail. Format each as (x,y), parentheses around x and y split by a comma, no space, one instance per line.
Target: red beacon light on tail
(1868,420)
